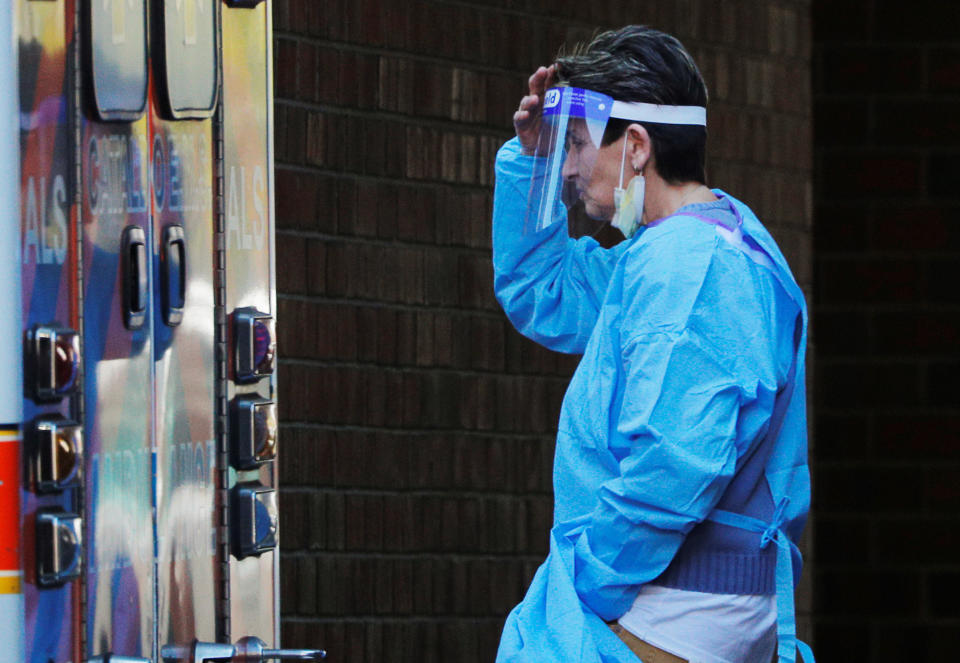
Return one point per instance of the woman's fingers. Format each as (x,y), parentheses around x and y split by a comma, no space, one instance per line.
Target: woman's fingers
(536,80)
(526,117)
(529,102)
(541,79)
(551,77)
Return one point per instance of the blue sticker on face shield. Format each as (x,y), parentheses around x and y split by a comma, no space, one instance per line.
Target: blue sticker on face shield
(574,102)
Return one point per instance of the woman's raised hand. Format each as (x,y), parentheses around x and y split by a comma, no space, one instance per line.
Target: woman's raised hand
(526,119)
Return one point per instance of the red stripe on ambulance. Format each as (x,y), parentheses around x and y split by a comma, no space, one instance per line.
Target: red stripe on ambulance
(9,500)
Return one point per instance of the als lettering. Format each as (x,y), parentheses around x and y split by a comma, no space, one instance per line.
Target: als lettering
(244,232)
(45,222)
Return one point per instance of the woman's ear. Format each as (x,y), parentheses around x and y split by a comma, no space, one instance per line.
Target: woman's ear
(639,147)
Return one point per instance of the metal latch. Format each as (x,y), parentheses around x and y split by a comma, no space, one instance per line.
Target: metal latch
(255,344)
(253,519)
(58,547)
(56,446)
(254,433)
(52,362)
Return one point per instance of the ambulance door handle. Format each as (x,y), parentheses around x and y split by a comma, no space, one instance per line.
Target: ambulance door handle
(173,274)
(134,275)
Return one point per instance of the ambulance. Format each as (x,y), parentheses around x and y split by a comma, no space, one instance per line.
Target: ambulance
(138,413)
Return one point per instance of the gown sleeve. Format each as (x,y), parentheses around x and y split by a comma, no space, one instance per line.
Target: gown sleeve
(550,286)
(689,367)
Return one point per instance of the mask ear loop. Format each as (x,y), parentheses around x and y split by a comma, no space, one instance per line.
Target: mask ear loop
(623,161)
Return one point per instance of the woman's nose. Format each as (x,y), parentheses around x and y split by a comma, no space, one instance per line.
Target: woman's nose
(569,170)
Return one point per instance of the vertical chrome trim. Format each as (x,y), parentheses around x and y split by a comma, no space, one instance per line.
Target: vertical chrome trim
(271,185)
(77,401)
(11,384)
(220,354)
(12,616)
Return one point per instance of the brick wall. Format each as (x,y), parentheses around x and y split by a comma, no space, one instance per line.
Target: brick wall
(417,425)
(887,103)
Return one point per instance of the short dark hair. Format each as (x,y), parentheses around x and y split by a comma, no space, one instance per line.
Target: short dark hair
(637,63)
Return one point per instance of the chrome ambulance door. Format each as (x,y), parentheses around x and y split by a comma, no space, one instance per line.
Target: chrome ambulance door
(50,495)
(184,51)
(118,325)
(250,302)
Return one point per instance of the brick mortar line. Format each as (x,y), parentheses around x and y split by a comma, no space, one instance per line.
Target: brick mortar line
(432,556)
(847,361)
(765,167)
(948,204)
(870,617)
(884,46)
(420,121)
(368,240)
(440,185)
(886,411)
(358,491)
(550,18)
(885,254)
(871,516)
(733,106)
(887,464)
(871,96)
(778,3)
(415,368)
(518,437)
(894,151)
(399,306)
(835,567)
(881,44)
(468,432)
(393,618)
(854,307)
(883,358)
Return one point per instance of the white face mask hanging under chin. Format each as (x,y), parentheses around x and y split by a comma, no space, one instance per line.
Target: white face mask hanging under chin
(629,204)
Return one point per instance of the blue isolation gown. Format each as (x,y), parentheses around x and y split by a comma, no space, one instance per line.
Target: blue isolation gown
(685,341)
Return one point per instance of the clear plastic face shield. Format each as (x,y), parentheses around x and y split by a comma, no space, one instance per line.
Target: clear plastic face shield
(571,129)
(566,170)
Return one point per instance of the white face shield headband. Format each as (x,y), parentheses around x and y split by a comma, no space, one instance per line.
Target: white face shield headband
(571,130)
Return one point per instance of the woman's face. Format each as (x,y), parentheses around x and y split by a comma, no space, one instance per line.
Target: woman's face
(594,170)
